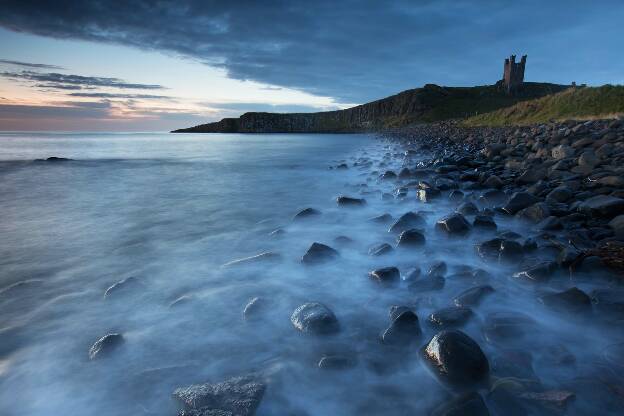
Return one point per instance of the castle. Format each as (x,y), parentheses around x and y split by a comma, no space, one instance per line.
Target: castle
(513,74)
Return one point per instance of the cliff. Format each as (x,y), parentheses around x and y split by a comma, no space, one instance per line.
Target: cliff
(426,104)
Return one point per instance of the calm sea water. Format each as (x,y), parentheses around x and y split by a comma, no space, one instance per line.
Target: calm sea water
(169,210)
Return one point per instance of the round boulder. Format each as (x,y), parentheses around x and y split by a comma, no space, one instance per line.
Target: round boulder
(314,318)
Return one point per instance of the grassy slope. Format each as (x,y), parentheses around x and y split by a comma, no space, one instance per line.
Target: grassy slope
(579,103)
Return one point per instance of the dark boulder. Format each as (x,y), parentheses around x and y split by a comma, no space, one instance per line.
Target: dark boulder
(602,206)
(518,201)
(382,219)
(454,225)
(485,222)
(537,273)
(536,212)
(319,253)
(266,257)
(336,362)
(386,275)
(122,287)
(473,296)
(347,201)
(438,268)
(407,221)
(510,251)
(238,396)
(388,175)
(306,213)
(450,317)
(571,300)
(411,238)
(380,249)
(456,358)
(314,318)
(502,327)
(403,330)
(254,308)
(103,346)
(54,159)
(467,208)
(427,195)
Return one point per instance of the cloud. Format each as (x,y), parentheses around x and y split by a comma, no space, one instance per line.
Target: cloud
(61,81)
(266,107)
(111,95)
(29,64)
(351,50)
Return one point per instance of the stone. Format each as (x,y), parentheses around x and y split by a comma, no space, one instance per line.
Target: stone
(238,396)
(611,180)
(456,358)
(411,238)
(518,201)
(336,362)
(396,310)
(453,316)
(530,176)
(485,222)
(588,160)
(562,152)
(552,401)
(319,253)
(559,194)
(571,300)
(403,330)
(540,272)
(551,223)
(386,275)
(314,318)
(407,221)
(602,206)
(405,173)
(503,327)
(536,212)
(510,251)
(453,225)
(493,197)
(473,296)
(426,195)
(105,345)
(388,175)
(468,404)
(266,257)
(54,159)
(617,224)
(380,249)
(345,201)
(494,182)
(254,308)
(456,195)
(467,208)
(122,286)
(306,213)
(382,219)
(438,268)
(343,240)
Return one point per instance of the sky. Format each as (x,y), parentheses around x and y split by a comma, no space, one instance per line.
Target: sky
(111,65)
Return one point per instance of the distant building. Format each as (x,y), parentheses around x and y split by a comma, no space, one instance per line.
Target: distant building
(513,74)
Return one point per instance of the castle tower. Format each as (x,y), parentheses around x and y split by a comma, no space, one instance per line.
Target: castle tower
(513,73)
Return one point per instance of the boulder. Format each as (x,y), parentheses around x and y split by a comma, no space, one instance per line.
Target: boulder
(453,225)
(536,212)
(306,213)
(467,208)
(407,221)
(238,396)
(456,358)
(473,296)
(314,318)
(562,152)
(494,182)
(484,221)
(347,201)
(336,362)
(617,225)
(438,268)
(559,194)
(266,257)
(403,330)
(388,175)
(411,238)
(380,249)
(518,201)
(382,219)
(386,275)
(319,253)
(426,195)
(537,273)
(450,317)
(105,345)
(571,300)
(530,176)
(122,286)
(602,206)
(507,327)
(588,160)
(254,308)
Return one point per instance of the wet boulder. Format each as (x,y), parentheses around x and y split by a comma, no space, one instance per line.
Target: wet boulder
(602,206)
(319,253)
(403,330)
(105,345)
(254,308)
(386,275)
(388,175)
(502,327)
(380,249)
(519,201)
(451,317)
(411,238)
(572,300)
(54,159)
(540,272)
(438,268)
(469,404)
(494,182)
(314,318)
(405,173)
(562,152)
(473,296)
(500,250)
(266,257)
(456,358)
(239,396)
(122,287)
(453,225)
(407,221)
(382,219)
(467,208)
(484,222)
(536,212)
(347,201)
(336,362)
(427,195)
(306,213)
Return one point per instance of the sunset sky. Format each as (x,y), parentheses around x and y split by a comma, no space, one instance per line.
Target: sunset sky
(154,66)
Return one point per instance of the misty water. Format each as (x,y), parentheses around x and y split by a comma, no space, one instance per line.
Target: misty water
(170,210)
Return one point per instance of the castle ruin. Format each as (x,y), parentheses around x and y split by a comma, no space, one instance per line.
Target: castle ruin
(513,74)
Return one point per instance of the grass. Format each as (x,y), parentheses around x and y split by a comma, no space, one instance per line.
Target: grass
(574,103)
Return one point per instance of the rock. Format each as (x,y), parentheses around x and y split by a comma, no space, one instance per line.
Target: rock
(502,327)
(388,175)
(319,253)
(380,249)
(611,180)
(530,176)
(344,201)
(342,166)
(266,257)
(407,221)
(489,250)
(181,301)
(306,213)
(426,195)
(336,362)
(405,173)
(382,219)
(617,224)
(518,201)
(456,358)
(238,396)
(410,239)
(602,206)
(494,182)
(54,159)
(551,401)
(559,194)
(453,225)
(105,345)
(473,296)
(254,308)
(484,221)
(403,330)
(588,160)
(438,268)
(469,404)
(386,275)
(510,251)
(571,300)
(123,286)
(550,224)
(456,195)
(537,273)
(396,310)
(536,212)
(314,318)
(493,197)
(343,240)
(450,317)
(562,152)
(467,208)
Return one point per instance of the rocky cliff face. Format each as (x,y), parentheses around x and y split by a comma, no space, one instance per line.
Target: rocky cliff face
(429,103)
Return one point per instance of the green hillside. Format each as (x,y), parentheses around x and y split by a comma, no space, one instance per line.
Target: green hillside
(574,103)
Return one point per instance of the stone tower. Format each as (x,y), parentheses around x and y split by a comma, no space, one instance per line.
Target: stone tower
(513,73)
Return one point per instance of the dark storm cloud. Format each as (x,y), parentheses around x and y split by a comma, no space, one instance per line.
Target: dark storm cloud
(29,64)
(111,95)
(351,50)
(62,80)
